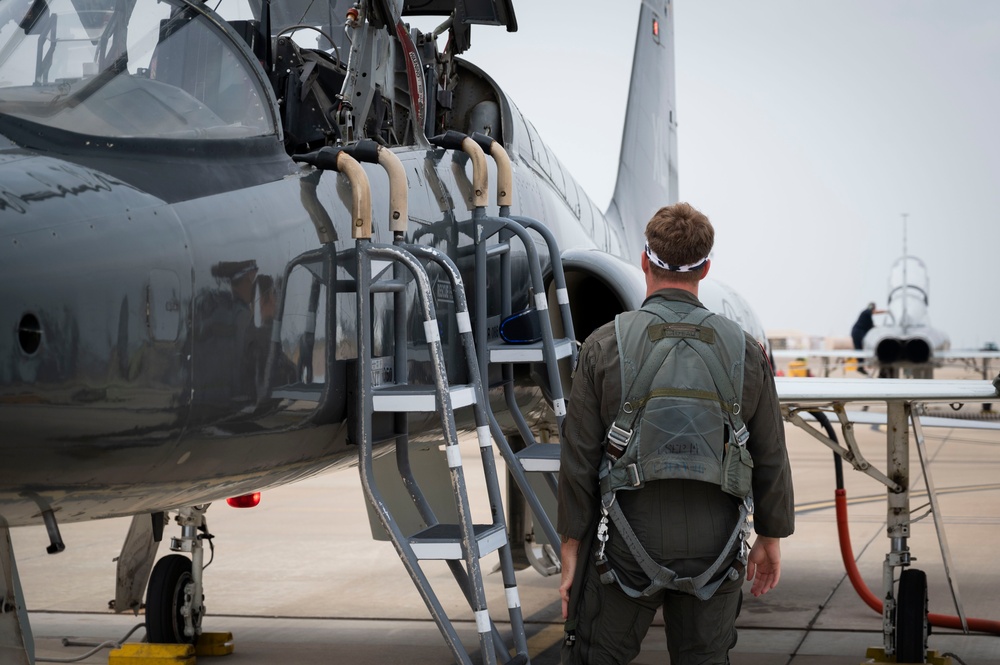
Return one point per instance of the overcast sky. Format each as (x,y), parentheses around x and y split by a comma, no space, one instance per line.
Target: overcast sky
(806,129)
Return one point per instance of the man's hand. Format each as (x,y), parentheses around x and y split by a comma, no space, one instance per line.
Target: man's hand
(568,554)
(763,565)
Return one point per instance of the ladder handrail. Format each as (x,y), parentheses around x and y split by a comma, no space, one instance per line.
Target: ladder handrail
(514,466)
(365,453)
(486,423)
(515,225)
(540,298)
(404,256)
(338,159)
(558,274)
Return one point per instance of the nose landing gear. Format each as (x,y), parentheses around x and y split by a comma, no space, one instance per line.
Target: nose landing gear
(174,597)
(169,602)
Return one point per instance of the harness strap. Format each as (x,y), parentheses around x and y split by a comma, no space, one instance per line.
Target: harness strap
(682,392)
(725,386)
(662,577)
(686,329)
(689,330)
(698,343)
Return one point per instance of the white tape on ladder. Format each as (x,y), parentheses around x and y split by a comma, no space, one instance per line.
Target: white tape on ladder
(431,331)
(483,621)
(559,406)
(485,440)
(513,600)
(541,303)
(454,456)
(562,296)
(464,322)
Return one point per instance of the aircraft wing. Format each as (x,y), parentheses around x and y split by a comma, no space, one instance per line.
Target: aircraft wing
(792,354)
(954,354)
(880,418)
(799,396)
(940,354)
(824,391)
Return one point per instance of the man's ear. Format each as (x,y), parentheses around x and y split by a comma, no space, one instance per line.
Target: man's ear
(704,271)
(644,262)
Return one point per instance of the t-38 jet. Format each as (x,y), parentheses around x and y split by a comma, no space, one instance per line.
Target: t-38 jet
(184,189)
(244,244)
(904,341)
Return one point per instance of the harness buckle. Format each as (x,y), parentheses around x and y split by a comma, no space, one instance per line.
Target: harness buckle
(633,475)
(618,440)
(742,435)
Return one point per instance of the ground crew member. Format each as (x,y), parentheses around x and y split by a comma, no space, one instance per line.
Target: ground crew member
(860,329)
(684,522)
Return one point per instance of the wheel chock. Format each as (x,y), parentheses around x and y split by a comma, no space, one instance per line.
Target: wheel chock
(152,654)
(877,655)
(214,644)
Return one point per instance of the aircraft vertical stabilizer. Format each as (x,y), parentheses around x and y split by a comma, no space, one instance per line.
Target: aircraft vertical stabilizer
(647,169)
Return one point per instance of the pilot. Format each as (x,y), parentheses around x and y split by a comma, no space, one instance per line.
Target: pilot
(685,512)
(861,328)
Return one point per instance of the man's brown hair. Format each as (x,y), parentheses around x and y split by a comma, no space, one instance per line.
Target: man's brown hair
(680,235)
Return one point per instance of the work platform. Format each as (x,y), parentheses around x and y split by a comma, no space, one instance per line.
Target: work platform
(299,578)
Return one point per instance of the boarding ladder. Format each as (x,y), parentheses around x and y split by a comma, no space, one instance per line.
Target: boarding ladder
(464,541)
(548,351)
(492,238)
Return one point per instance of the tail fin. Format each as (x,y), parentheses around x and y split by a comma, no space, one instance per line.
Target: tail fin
(647,167)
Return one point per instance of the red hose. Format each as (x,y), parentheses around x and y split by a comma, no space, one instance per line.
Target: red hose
(851,566)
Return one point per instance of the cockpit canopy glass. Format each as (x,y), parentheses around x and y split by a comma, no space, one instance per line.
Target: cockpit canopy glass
(129,69)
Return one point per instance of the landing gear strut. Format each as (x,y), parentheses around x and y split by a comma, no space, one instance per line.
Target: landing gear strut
(174,597)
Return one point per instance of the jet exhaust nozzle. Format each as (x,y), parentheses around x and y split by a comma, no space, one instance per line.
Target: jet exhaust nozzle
(889,350)
(910,350)
(916,351)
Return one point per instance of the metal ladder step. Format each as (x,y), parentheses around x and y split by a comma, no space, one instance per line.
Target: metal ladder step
(444,541)
(403,398)
(501,352)
(539,457)
(297,393)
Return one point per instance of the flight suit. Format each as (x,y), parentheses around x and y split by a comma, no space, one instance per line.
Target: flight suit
(684,524)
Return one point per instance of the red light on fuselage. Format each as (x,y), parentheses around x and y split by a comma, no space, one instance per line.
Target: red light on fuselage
(656,28)
(245,501)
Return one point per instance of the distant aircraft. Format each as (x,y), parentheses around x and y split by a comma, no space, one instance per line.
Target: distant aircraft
(904,342)
(192,308)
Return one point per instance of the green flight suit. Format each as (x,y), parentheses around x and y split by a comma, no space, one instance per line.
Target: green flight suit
(684,524)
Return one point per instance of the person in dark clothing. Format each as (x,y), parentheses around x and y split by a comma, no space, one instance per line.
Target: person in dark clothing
(683,523)
(860,329)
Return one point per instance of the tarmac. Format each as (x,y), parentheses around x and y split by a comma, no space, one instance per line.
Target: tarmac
(299,579)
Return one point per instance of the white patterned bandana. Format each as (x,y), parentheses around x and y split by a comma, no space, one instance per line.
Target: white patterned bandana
(657,261)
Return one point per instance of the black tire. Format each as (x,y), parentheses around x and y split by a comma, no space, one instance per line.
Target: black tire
(911,617)
(164,599)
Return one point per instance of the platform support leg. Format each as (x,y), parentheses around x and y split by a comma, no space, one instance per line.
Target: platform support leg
(17,647)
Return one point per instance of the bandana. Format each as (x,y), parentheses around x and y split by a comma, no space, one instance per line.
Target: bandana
(657,261)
